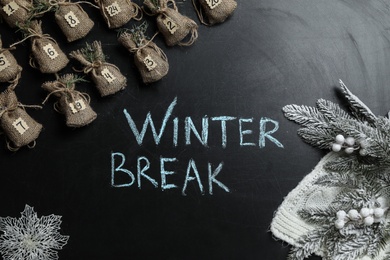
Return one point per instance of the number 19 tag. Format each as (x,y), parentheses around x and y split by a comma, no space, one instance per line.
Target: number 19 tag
(20,125)
(213,3)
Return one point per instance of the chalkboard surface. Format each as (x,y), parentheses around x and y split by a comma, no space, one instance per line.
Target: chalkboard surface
(168,196)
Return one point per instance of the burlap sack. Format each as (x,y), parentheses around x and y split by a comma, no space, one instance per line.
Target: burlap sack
(73,21)
(107,77)
(72,103)
(15,12)
(216,11)
(16,124)
(9,67)
(144,53)
(45,50)
(174,26)
(117,13)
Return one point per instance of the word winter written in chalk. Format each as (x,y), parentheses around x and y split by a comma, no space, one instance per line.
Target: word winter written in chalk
(192,174)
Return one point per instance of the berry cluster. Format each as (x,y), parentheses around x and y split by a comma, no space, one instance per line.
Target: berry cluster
(366,216)
(349,145)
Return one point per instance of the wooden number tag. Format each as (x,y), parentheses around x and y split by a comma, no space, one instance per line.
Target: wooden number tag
(50,51)
(108,75)
(150,63)
(20,125)
(170,24)
(10,8)
(71,19)
(213,3)
(77,106)
(4,63)
(113,9)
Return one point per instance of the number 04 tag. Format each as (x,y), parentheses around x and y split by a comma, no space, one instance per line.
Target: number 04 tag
(213,3)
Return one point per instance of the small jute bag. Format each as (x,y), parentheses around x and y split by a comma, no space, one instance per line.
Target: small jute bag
(15,12)
(106,76)
(216,11)
(45,51)
(174,26)
(73,20)
(150,60)
(72,103)
(117,13)
(9,68)
(19,128)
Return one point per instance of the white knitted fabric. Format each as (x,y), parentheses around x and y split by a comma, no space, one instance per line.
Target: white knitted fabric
(287,225)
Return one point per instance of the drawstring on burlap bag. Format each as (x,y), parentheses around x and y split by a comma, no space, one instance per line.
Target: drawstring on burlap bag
(150,60)
(216,11)
(46,53)
(15,12)
(9,68)
(19,128)
(72,103)
(174,26)
(70,16)
(106,76)
(117,13)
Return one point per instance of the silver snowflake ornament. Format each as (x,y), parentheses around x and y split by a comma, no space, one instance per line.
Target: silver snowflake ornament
(30,237)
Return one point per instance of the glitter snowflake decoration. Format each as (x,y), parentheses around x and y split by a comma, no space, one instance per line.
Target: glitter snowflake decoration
(30,237)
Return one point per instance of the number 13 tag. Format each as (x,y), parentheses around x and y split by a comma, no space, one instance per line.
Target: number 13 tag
(213,3)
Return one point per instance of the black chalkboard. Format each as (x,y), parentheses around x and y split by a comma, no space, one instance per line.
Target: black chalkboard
(267,55)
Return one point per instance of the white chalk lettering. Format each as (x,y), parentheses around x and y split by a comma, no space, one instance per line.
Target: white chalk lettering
(192,165)
(164,173)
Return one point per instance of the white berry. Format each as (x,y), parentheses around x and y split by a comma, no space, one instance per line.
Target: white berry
(339,224)
(336,147)
(368,221)
(353,214)
(341,214)
(350,141)
(365,212)
(363,144)
(339,139)
(379,212)
(349,150)
(362,152)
